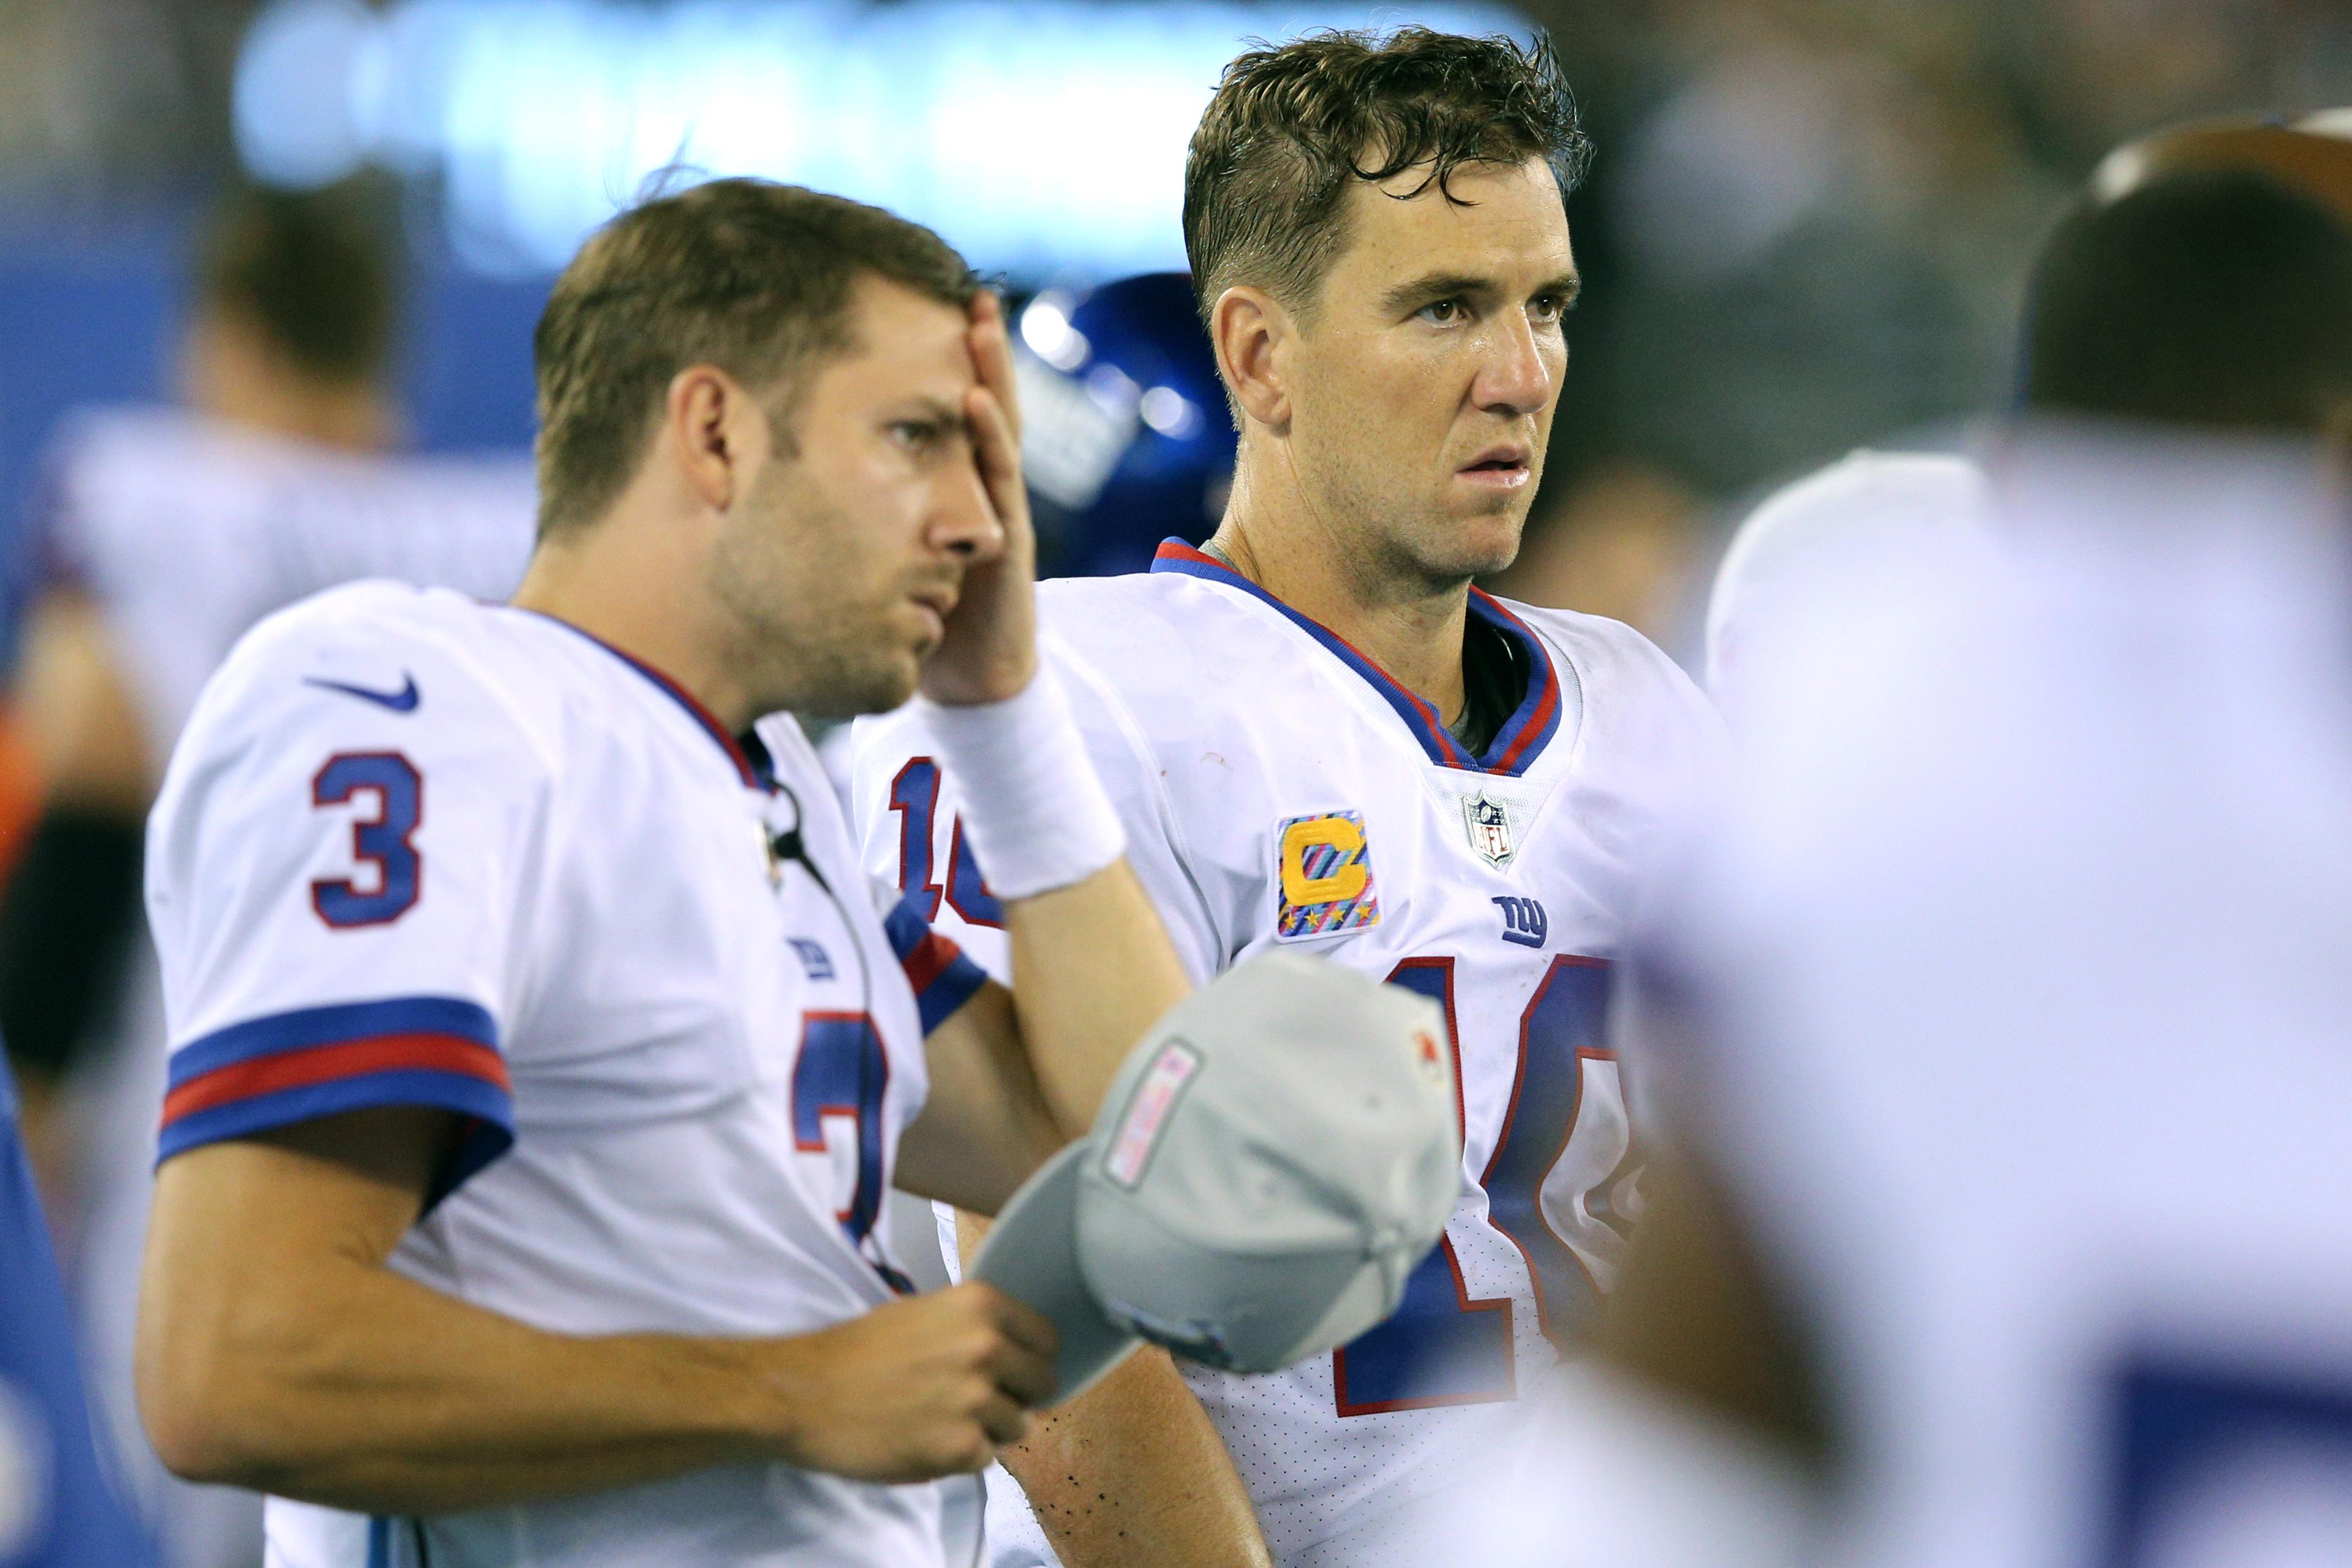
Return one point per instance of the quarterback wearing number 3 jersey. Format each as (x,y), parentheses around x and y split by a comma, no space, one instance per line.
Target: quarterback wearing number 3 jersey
(1278,790)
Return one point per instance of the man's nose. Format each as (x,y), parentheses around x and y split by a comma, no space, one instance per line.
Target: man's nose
(962,520)
(1515,376)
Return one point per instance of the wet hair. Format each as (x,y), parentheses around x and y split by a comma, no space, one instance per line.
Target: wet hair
(752,277)
(2220,301)
(1292,127)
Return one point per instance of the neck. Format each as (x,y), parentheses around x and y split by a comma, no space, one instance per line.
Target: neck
(352,416)
(1278,537)
(635,583)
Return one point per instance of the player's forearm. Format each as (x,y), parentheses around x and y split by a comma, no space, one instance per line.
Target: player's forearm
(366,1391)
(1132,1475)
(1093,970)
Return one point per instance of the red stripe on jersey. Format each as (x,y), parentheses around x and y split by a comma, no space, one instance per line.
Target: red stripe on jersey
(320,1064)
(928,959)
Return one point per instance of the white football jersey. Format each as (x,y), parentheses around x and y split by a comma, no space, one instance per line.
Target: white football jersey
(2024,974)
(185,531)
(413,849)
(1279,789)
(1869,530)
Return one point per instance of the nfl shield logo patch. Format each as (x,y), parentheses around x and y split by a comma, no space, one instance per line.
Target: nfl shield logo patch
(1489,824)
(1323,867)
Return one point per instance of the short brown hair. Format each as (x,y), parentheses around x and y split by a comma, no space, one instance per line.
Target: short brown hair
(750,276)
(1285,135)
(312,272)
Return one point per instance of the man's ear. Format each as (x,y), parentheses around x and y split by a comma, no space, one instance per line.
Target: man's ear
(704,432)
(1251,332)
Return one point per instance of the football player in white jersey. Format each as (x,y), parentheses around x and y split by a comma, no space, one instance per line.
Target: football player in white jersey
(2014,1214)
(1319,734)
(540,1053)
(167,531)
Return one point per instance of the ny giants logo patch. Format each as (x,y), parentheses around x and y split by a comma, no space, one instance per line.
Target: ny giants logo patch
(1324,867)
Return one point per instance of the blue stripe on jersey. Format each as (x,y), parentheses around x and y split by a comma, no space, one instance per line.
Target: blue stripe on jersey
(332,1025)
(488,1111)
(942,976)
(275,1071)
(1515,745)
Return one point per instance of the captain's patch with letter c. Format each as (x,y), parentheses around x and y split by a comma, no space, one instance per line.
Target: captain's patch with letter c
(1323,867)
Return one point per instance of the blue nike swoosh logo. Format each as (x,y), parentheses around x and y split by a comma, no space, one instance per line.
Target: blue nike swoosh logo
(401,701)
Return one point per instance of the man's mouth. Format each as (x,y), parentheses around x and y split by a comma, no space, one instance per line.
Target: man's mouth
(1505,467)
(941,604)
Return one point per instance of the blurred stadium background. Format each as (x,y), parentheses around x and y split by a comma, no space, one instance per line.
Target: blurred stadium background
(1806,228)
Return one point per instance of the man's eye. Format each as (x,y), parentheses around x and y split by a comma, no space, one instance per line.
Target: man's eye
(1548,307)
(1443,312)
(915,434)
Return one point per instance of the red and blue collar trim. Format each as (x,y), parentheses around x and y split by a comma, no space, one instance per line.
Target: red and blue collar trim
(1515,745)
(753,777)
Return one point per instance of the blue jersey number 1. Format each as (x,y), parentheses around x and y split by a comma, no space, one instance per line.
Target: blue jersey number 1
(915,797)
(1442,1346)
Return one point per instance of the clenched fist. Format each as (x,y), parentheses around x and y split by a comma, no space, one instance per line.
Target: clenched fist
(929,1386)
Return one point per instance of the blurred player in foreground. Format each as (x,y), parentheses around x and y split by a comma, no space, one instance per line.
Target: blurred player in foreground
(1318,733)
(2015,1005)
(169,532)
(1883,525)
(540,1058)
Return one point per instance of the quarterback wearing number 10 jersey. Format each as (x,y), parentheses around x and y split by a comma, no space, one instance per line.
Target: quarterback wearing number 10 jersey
(1279,789)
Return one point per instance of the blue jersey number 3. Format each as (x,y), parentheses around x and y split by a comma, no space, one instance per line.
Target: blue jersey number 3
(380,842)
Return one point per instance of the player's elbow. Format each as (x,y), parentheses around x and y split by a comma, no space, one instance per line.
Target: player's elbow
(208,1381)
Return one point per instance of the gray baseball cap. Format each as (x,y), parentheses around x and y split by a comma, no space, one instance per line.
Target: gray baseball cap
(1270,1165)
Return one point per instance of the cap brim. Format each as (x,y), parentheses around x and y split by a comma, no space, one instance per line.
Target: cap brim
(1032,1254)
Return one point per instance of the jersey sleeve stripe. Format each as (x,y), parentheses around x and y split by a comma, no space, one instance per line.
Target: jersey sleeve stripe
(942,976)
(338,1023)
(486,1104)
(316,1064)
(274,1071)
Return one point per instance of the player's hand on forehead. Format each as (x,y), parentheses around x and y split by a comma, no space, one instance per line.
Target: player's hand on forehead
(990,651)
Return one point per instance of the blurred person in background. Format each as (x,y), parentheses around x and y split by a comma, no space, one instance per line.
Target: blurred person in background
(1626,540)
(1884,526)
(2008,1015)
(168,532)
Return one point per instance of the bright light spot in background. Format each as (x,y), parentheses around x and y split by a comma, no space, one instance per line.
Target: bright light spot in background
(1046,328)
(1169,412)
(1043,137)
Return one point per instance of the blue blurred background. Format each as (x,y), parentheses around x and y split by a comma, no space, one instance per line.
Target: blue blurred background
(1806,227)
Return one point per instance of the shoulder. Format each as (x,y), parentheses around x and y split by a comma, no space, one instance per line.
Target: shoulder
(1870,517)
(1176,651)
(383,656)
(1149,609)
